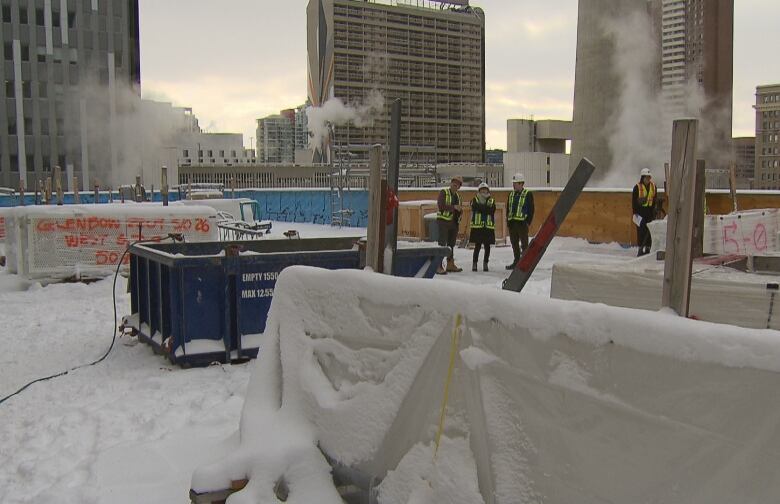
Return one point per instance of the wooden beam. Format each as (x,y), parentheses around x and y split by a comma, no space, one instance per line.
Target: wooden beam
(733,186)
(679,243)
(699,203)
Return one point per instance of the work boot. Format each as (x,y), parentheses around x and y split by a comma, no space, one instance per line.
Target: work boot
(474,266)
(511,266)
(441,271)
(451,267)
(484,266)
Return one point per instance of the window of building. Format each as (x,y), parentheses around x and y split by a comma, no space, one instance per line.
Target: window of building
(22,15)
(11,126)
(46,163)
(210,153)
(200,154)
(25,52)
(14,163)
(221,153)
(8,51)
(40,19)
(71,20)
(45,126)
(27,89)
(55,18)
(6,13)
(185,153)
(43,90)
(30,162)
(9,89)
(28,127)
(41,54)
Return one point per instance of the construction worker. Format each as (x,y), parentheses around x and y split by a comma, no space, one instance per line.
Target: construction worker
(519,215)
(448,219)
(643,205)
(483,224)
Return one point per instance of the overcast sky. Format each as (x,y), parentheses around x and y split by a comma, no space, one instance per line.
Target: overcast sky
(234,61)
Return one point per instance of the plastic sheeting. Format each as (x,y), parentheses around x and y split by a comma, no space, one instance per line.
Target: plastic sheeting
(53,242)
(743,233)
(560,402)
(718,294)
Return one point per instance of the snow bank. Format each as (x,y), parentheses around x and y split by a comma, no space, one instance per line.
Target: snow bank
(550,400)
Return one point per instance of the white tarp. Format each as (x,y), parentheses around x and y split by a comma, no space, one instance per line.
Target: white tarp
(752,232)
(551,401)
(51,242)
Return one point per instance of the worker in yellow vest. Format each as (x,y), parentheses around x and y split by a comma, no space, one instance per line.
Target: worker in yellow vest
(483,224)
(448,219)
(643,205)
(519,215)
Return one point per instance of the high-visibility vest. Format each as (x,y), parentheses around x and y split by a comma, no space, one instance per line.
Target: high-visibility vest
(647,194)
(449,199)
(516,210)
(482,220)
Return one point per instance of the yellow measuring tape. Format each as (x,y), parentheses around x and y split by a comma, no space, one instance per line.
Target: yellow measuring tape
(453,352)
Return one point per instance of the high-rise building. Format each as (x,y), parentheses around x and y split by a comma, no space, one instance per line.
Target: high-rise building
(276,138)
(696,39)
(431,54)
(691,75)
(597,80)
(768,137)
(745,161)
(72,73)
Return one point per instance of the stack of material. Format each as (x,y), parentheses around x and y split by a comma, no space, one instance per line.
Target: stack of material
(718,294)
(411,218)
(752,232)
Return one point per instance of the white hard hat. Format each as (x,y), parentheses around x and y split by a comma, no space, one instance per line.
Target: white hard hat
(483,186)
(645,172)
(518,177)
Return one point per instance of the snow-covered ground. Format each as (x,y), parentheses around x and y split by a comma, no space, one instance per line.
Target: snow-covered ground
(133,428)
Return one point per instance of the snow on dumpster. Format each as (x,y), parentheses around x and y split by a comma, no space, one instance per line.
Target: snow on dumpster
(549,401)
(56,242)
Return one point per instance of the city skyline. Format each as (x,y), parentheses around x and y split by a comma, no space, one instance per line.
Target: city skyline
(234,73)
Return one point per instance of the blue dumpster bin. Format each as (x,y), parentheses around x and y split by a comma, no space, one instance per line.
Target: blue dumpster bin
(198,303)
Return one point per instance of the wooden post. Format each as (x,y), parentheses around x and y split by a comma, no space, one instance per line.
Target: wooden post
(38,191)
(678,264)
(110,194)
(137,192)
(164,186)
(47,188)
(376,206)
(698,209)
(733,186)
(58,182)
(76,193)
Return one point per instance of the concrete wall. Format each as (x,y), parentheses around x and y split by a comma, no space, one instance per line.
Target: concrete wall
(536,166)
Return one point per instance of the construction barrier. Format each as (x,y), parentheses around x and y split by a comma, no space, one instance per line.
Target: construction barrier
(416,392)
(752,232)
(55,242)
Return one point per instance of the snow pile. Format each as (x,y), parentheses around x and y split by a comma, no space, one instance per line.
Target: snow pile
(549,400)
